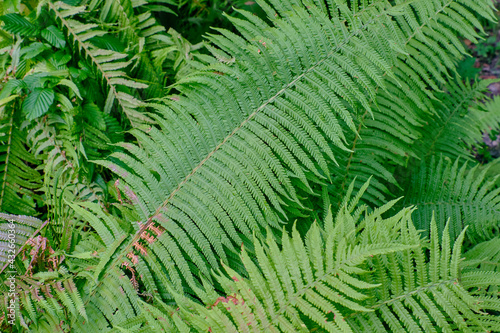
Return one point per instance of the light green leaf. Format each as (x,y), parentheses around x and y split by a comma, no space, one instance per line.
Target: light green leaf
(71,85)
(7,99)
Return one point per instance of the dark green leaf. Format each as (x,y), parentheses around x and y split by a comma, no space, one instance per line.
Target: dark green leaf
(33,50)
(54,36)
(38,102)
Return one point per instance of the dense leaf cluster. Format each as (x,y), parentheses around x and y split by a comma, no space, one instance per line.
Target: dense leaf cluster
(306,167)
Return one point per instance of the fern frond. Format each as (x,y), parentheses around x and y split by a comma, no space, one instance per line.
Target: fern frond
(15,230)
(138,29)
(460,115)
(304,284)
(481,262)
(63,175)
(59,297)
(291,99)
(351,275)
(422,65)
(281,117)
(110,65)
(451,191)
(425,295)
(18,177)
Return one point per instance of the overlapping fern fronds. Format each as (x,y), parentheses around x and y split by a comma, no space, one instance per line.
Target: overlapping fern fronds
(358,272)
(315,76)
(63,291)
(353,271)
(411,111)
(277,117)
(247,147)
(137,28)
(425,290)
(480,261)
(15,231)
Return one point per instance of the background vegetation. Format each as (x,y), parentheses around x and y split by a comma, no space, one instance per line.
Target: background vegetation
(233,166)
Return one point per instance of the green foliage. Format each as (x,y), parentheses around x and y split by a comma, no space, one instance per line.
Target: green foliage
(456,194)
(18,180)
(460,116)
(228,153)
(15,232)
(358,272)
(16,24)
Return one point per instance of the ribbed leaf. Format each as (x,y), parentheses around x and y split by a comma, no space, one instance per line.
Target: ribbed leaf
(38,102)
(54,36)
(17,24)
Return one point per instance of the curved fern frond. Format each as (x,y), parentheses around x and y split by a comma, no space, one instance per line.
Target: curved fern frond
(451,191)
(15,230)
(426,59)
(483,256)
(138,30)
(481,262)
(56,298)
(292,106)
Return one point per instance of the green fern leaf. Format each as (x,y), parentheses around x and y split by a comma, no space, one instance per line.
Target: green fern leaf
(345,277)
(15,230)
(248,167)
(16,24)
(109,65)
(451,191)
(460,116)
(18,177)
